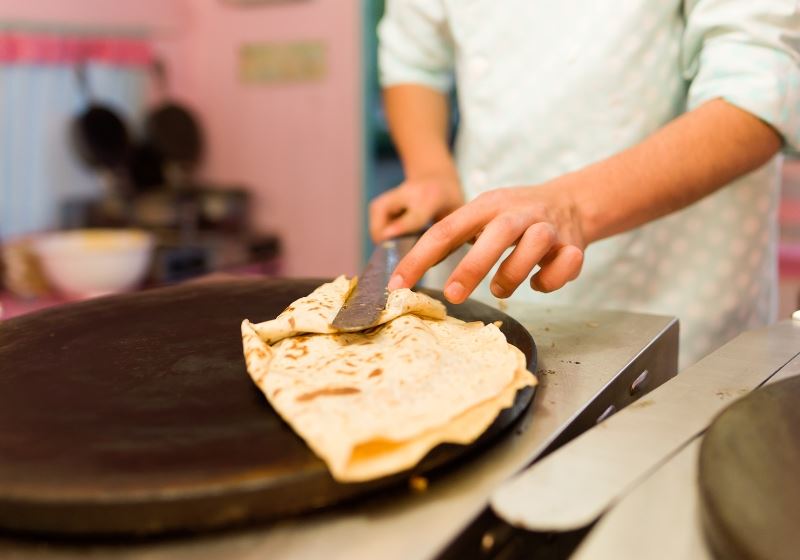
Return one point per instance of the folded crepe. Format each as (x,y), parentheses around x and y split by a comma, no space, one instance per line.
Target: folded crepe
(373,403)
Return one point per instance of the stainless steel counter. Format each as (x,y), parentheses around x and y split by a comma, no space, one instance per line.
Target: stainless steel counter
(660,518)
(581,353)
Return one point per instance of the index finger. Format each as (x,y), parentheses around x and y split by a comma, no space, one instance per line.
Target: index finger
(438,242)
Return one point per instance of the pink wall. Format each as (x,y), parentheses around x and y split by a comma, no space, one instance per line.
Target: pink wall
(167,16)
(168,21)
(297,146)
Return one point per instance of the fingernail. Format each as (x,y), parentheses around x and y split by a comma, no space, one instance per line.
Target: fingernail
(498,290)
(454,292)
(395,282)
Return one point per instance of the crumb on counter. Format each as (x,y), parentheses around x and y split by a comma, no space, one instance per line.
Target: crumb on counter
(418,484)
(487,542)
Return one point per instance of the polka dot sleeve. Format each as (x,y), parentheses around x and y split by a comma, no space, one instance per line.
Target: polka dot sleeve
(414,44)
(747,53)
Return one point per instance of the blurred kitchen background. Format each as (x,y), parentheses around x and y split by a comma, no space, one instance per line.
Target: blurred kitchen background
(241,136)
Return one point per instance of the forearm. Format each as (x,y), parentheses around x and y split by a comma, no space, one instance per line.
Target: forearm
(684,161)
(418,121)
(549,224)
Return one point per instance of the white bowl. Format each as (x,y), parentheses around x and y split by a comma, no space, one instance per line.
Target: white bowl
(94,262)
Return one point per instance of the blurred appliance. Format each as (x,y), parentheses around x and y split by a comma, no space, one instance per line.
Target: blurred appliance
(198,227)
(193,209)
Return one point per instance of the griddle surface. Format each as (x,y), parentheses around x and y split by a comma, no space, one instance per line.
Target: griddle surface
(750,476)
(135,414)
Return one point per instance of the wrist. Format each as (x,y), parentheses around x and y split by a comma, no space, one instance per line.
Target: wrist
(442,168)
(442,174)
(584,204)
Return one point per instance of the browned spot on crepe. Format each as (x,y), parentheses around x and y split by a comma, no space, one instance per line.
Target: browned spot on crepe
(297,348)
(375,372)
(258,352)
(327,392)
(302,353)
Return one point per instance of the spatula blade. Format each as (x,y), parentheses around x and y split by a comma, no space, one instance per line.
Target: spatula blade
(366,302)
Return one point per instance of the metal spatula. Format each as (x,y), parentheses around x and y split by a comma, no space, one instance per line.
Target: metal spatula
(366,302)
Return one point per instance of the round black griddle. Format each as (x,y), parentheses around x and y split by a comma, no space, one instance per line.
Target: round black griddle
(749,476)
(134,414)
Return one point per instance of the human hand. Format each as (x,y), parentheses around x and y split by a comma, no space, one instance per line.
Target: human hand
(542,222)
(413,204)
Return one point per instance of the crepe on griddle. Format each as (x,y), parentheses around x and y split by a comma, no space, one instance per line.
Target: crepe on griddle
(373,403)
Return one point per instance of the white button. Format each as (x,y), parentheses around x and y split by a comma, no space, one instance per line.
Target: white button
(478,178)
(478,66)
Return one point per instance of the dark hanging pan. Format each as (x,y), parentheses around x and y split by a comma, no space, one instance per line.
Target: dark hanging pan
(146,168)
(173,129)
(99,133)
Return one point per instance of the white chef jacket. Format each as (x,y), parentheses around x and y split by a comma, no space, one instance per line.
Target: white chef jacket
(546,87)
